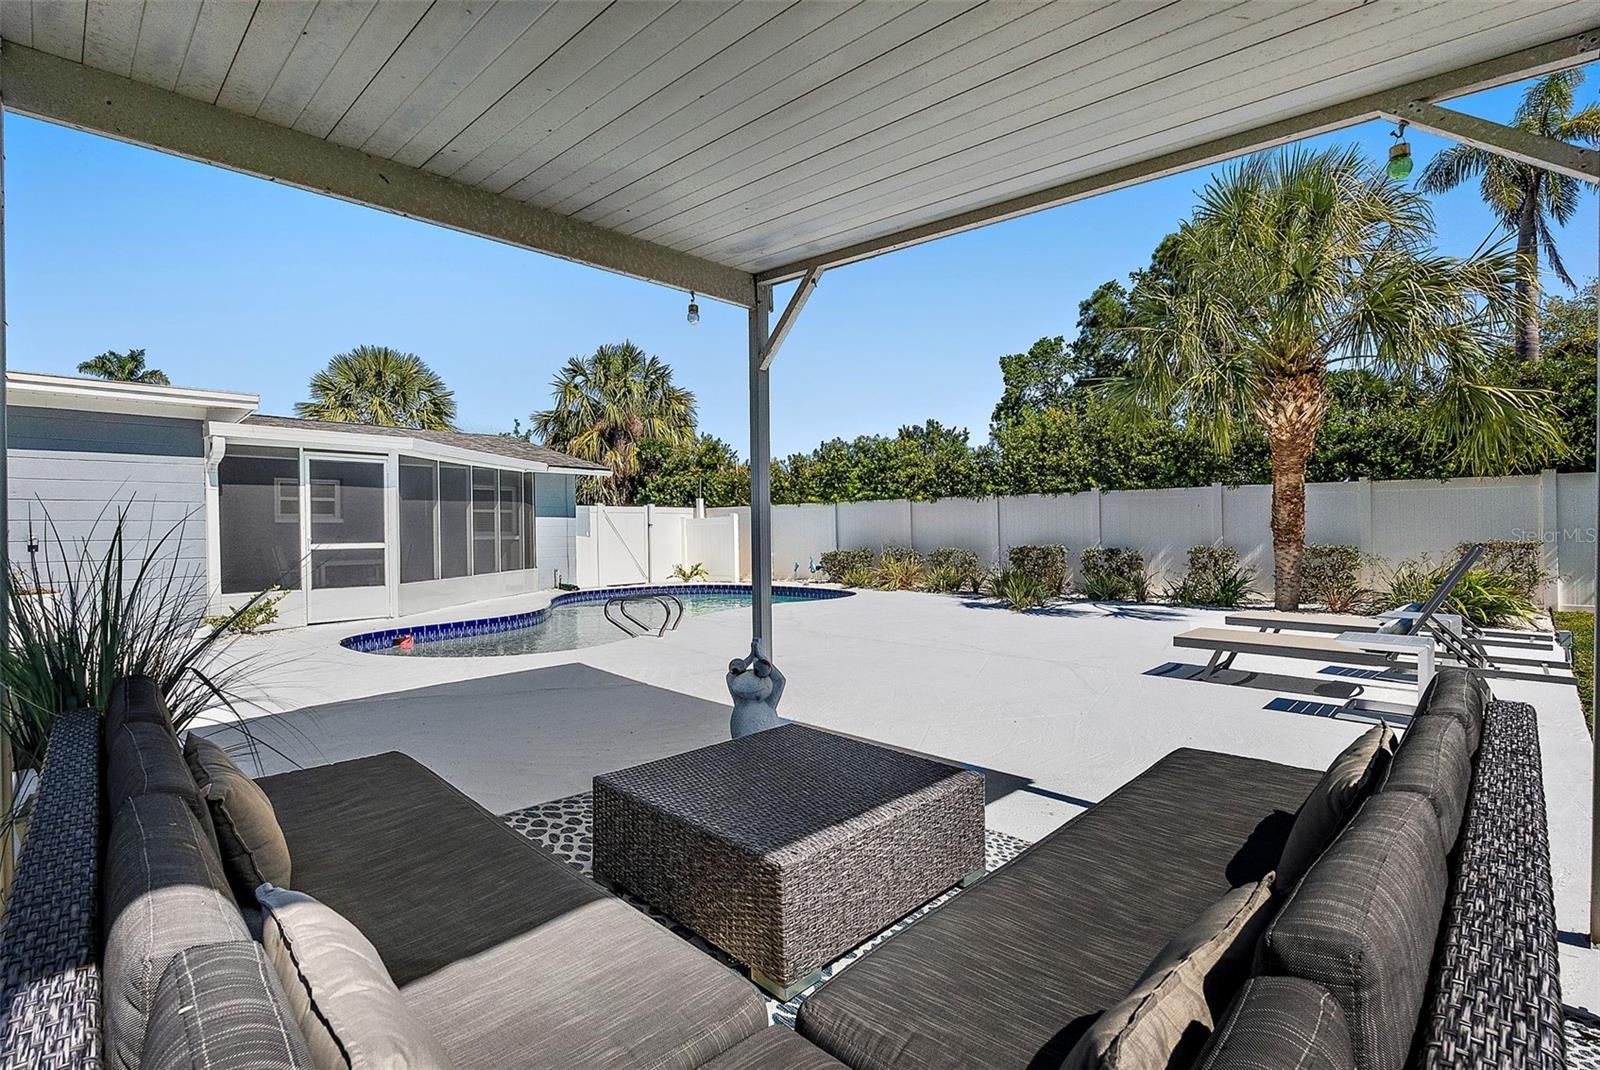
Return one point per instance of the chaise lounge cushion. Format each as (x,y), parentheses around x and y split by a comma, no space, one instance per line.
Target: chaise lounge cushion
(219,1006)
(254,851)
(1435,762)
(1364,921)
(342,999)
(1012,972)
(1278,1023)
(163,891)
(1354,775)
(510,957)
(1168,1016)
(1461,694)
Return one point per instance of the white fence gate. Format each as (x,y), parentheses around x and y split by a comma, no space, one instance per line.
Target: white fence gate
(1391,520)
(644,544)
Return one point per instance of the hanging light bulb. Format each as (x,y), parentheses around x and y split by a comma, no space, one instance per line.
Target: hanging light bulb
(1399,155)
(694,310)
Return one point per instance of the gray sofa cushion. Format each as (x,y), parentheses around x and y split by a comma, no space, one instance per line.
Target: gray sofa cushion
(1363,924)
(342,998)
(1435,762)
(1012,972)
(1279,1023)
(144,757)
(1352,776)
(163,891)
(135,699)
(602,987)
(1169,1015)
(219,1007)
(254,851)
(509,956)
(775,1049)
(1461,694)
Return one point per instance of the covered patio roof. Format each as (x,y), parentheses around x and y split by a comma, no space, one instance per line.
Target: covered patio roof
(724,147)
(714,145)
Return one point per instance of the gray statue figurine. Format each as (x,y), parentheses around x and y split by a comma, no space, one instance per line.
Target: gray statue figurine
(756,686)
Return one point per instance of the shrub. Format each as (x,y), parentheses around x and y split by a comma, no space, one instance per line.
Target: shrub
(945,579)
(1046,565)
(892,553)
(962,562)
(697,571)
(88,611)
(838,564)
(257,613)
(1487,599)
(899,573)
(1113,574)
(1332,575)
(1519,562)
(859,576)
(1018,589)
(1215,578)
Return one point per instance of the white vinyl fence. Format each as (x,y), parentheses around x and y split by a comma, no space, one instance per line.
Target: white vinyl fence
(1392,520)
(644,543)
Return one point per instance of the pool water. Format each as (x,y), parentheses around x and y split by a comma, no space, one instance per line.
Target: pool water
(576,625)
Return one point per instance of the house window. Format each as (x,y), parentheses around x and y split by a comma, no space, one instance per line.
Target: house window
(286,496)
(327,501)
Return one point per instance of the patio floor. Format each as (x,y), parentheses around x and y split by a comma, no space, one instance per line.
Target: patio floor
(1058,707)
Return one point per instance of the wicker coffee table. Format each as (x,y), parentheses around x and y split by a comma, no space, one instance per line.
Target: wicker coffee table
(787,848)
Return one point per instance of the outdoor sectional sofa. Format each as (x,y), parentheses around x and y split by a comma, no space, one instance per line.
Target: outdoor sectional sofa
(512,960)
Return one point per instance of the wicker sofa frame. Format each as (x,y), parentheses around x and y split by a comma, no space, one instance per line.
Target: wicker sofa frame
(1494,1001)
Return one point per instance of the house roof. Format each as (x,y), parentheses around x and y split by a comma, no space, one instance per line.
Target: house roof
(502,445)
(721,145)
(86,394)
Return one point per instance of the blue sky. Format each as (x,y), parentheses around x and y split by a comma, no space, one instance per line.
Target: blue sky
(236,283)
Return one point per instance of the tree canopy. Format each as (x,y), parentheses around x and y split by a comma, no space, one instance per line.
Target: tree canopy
(381,387)
(128,367)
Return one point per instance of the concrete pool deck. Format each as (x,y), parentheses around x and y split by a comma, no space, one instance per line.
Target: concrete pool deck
(1059,707)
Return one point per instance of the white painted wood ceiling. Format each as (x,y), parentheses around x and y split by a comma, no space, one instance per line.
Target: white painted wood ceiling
(758,133)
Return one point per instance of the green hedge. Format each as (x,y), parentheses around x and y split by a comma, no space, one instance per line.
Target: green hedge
(1113,574)
(1520,562)
(956,568)
(1045,565)
(1331,575)
(840,563)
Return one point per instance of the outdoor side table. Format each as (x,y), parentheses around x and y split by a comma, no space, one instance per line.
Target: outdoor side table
(789,847)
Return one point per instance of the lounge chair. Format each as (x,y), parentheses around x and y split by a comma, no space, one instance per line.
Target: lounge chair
(1357,649)
(1461,639)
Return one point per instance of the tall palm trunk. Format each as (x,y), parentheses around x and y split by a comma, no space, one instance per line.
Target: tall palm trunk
(1294,410)
(1528,273)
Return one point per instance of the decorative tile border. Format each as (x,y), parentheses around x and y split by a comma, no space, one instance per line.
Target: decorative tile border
(562,827)
(370,642)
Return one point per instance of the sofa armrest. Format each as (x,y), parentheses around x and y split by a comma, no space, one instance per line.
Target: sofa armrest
(50,940)
(1495,993)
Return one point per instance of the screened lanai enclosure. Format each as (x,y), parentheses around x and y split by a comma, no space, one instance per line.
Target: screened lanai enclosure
(351,535)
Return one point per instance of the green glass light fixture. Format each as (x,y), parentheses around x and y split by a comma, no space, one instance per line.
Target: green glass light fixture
(1400,155)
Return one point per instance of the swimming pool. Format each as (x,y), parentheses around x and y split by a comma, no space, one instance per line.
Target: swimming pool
(570,622)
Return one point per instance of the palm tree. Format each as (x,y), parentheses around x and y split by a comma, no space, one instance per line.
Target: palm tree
(382,387)
(1525,198)
(608,403)
(1299,261)
(124,368)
